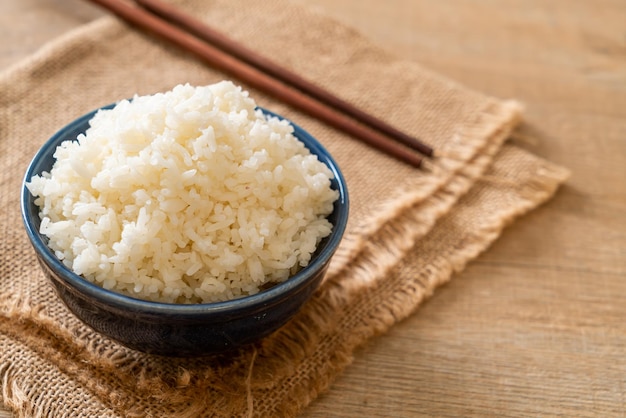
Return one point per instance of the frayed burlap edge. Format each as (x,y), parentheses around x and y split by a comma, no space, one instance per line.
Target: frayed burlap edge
(394,297)
(454,170)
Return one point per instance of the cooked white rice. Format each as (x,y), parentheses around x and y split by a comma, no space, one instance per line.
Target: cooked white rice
(187,196)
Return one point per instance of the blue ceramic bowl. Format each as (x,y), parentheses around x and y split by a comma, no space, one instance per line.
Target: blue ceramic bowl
(177,329)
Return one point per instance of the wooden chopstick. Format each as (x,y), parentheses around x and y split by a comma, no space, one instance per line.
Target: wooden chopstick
(224,62)
(216,38)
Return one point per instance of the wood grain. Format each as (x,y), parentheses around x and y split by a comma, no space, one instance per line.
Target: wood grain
(535,326)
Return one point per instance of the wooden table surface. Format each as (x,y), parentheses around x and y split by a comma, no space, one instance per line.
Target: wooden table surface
(536,326)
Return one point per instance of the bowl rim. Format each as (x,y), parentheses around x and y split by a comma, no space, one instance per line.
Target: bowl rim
(111,298)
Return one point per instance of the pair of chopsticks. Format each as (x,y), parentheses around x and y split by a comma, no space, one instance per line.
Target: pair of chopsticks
(228,56)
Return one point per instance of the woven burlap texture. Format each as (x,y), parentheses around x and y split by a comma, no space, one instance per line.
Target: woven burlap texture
(409,230)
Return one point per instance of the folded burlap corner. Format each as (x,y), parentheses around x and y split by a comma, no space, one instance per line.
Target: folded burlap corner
(409,230)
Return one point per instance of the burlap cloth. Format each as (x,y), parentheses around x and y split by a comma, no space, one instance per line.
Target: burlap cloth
(409,231)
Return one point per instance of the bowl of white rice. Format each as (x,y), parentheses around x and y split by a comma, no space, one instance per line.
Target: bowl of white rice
(184,223)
